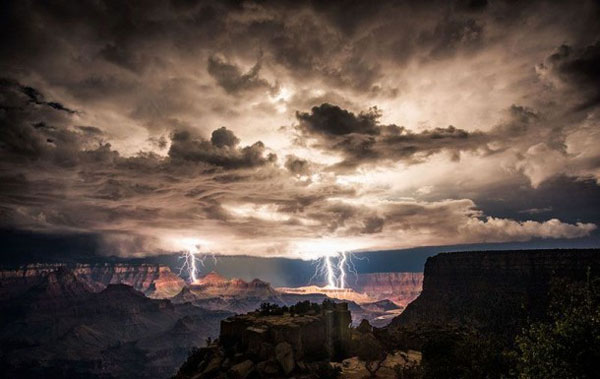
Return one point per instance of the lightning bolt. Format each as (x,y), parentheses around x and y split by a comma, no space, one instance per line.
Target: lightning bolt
(192,257)
(334,269)
(190,263)
(330,274)
(342,269)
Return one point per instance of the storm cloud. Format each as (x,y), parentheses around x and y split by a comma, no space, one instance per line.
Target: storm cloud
(295,128)
(360,138)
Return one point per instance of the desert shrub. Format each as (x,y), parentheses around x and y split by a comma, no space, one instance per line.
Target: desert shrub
(268,309)
(567,345)
(462,352)
(301,307)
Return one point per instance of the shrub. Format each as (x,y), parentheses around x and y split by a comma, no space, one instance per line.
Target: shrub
(568,344)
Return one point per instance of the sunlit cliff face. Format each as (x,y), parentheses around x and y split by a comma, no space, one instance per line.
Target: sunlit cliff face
(300,129)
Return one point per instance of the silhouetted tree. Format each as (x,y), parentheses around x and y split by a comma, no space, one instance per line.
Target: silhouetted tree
(268,309)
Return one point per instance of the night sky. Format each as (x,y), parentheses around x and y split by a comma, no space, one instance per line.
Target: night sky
(297,129)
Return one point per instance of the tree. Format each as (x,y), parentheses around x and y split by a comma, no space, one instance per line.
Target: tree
(568,344)
(268,309)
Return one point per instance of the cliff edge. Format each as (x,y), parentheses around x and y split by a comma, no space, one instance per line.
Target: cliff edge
(495,290)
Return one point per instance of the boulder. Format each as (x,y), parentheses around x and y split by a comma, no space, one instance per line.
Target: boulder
(268,368)
(213,366)
(266,351)
(242,370)
(285,356)
(253,337)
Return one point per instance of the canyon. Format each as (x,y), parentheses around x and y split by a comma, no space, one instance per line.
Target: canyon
(155,281)
(399,287)
(134,320)
(61,326)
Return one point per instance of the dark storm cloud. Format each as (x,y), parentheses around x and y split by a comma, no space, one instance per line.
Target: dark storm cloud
(34,95)
(112,111)
(55,150)
(450,36)
(33,129)
(331,119)
(230,77)
(224,137)
(220,151)
(578,68)
(362,139)
(520,201)
(124,198)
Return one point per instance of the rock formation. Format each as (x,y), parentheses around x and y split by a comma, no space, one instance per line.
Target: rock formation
(155,281)
(60,326)
(495,290)
(348,294)
(213,284)
(399,287)
(275,345)
(216,292)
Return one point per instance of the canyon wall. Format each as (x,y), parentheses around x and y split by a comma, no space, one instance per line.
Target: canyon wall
(495,290)
(61,327)
(399,287)
(154,280)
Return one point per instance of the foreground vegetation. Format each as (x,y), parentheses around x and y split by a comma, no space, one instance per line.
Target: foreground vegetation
(565,343)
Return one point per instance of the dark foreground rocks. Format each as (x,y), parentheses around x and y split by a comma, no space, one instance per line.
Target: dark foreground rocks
(258,345)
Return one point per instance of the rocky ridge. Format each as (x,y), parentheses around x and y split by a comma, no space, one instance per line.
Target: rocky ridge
(62,327)
(154,280)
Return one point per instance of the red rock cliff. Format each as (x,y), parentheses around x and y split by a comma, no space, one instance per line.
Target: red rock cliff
(400,287)
(153,280)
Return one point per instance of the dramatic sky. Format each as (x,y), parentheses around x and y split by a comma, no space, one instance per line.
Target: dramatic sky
(295,128)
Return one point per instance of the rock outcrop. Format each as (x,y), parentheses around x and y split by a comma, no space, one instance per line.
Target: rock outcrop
(275,345)
(213,284)
(493,290)
(347,294)
(326,334)
(399,287)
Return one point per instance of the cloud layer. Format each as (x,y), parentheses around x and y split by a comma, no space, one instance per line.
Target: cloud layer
(387,125)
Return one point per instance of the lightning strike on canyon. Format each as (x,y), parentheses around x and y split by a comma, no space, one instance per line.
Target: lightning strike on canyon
(342,270)
(334,270)
(330,273)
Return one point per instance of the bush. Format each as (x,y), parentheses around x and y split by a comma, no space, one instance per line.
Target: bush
(568,344)
(464,353)
(267,309)
(302,307)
